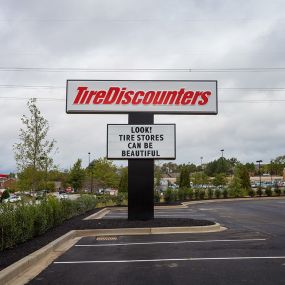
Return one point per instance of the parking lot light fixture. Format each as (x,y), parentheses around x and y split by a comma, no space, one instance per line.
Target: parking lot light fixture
(222,150)
(259,161)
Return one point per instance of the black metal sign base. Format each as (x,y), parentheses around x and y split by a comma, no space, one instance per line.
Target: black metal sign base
(141,177)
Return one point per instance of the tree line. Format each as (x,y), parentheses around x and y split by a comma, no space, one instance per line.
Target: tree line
(34,154)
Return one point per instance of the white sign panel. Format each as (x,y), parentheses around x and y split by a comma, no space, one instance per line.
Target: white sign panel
(157,96)
(141,141)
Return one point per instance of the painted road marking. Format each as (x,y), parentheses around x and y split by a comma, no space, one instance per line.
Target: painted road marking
(170,242)
(172,259)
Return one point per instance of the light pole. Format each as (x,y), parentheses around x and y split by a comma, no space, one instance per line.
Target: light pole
(259,161)
(271,170)
(222,151)
(202,171)
(91,173)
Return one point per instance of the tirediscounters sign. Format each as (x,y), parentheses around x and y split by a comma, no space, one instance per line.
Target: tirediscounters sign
(141,141)
(158,96)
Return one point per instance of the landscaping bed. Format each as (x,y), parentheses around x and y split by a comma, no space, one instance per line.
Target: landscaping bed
(9,256)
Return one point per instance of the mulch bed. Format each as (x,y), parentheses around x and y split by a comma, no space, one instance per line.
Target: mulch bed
(9,256)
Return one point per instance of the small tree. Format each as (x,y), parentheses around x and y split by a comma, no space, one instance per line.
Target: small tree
(105,173)
(34,149)
(235,187)
(76,175)
(243,174)
(123,185)
(220,180)
(184,181)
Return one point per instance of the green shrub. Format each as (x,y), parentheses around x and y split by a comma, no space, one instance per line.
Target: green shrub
(40,219)
(182,193)
(121,197)
(268,191)
(5,195)
(156,197)
(277,191)
(170,195)
(225,193)
(259,191)
(202,194)
(197,194)
(189,194)
(210,193)
(218,193)
(24,221)
(251,192)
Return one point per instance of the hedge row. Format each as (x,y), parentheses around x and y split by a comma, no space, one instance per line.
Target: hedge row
(187,194)
(20,222)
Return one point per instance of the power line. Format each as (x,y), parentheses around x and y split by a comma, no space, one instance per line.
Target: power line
(220,101)
(153,20)
(187,70)
(63,87)
(31,86)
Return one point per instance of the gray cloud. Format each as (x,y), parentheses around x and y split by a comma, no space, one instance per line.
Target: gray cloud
(147,34)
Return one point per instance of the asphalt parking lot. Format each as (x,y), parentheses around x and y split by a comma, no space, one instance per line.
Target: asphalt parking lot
(251,251)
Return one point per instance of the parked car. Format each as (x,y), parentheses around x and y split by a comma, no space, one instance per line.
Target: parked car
(12,199)
(63,196)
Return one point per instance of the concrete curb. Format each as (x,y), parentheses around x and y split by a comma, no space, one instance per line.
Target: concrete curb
(98,215)
(148,231)
(19,272)
(105,211)
(232,200)
(11,272)
(170,207)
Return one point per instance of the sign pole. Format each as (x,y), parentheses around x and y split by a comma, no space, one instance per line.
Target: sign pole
(140,178)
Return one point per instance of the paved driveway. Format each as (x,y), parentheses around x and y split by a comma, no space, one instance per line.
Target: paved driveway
(251,251)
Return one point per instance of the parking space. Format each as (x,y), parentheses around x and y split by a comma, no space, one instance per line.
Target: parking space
(162,213)
(251,251)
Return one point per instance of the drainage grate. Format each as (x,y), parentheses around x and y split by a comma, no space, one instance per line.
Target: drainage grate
(107,238)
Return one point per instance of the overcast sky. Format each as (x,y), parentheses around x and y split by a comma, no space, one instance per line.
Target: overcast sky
(135,34)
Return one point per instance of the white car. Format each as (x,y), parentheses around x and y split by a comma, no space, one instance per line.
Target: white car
(12,199)
(63,196)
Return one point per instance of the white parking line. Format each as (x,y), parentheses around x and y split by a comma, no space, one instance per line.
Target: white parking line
(161,215)
(172,259)
(170,242)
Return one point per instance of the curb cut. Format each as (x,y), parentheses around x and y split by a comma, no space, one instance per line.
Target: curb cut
(19,272)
